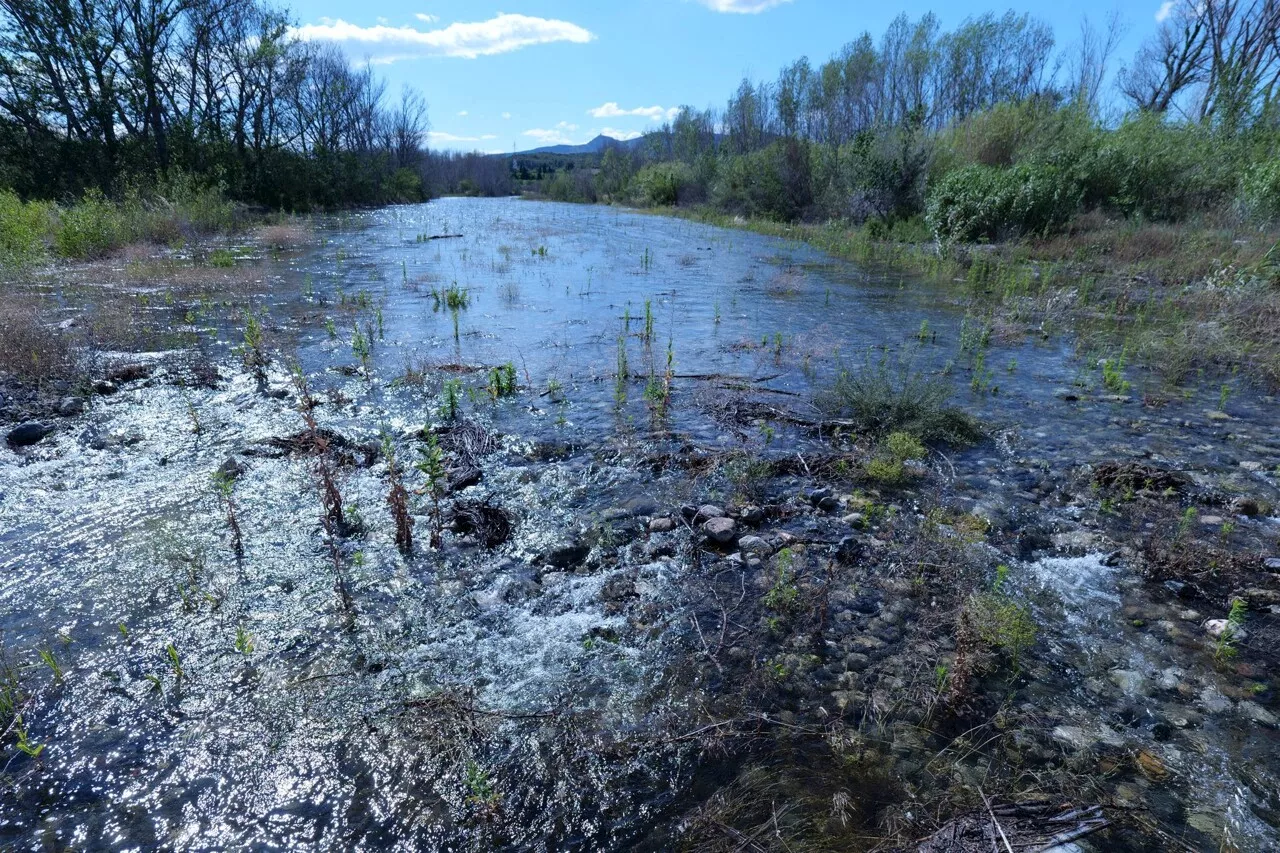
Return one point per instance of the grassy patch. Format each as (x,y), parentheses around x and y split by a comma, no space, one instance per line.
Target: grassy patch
(880,400)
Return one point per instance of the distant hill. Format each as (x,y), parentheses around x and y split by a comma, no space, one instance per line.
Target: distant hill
(595,146)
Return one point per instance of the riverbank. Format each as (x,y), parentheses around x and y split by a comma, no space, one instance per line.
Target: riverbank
(1179,299)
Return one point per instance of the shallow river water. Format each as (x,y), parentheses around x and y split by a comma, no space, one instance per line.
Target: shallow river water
(472,698)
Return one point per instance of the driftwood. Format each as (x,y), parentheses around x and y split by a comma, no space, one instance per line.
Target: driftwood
(1014,828)
(443,236)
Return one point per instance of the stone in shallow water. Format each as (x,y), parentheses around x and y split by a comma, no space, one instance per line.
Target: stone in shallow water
(27,434)
(661,525)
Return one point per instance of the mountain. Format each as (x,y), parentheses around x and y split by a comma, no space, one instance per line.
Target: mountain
(595,146)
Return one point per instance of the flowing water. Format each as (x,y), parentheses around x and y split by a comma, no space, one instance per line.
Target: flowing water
(473,698)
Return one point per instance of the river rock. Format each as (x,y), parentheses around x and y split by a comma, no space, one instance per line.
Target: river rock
(27,434)
(754,546)
(1272,564)
(104,387)
(720,529)
(567,555)
(751,515)
(70,407)
(1257,713)
(661,525)
(706,512)
(1130,683)
(1077,541)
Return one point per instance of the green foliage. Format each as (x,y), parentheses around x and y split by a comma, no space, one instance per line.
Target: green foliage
(91,229)
(662,184)
(1003,623)
(782,597)
(1225,646)
(989,203)
(888,466)
(879,400)
(1260,190)
(24,227)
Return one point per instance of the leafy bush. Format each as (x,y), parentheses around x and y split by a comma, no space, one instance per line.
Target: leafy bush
(662,184)
(888,465)
(1260,190)
(91,229)
(1165,172)
(988,203)
(23,227)
(880,401)
(773,183)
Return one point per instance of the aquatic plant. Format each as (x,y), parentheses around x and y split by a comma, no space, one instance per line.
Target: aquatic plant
(648,321)
(398,498)
(449,406)
(1224,647)
(244,641)
(361,347)
(175,662)
(452,298)
(623,372)
(877,401)
(502,381)
(782,597)
(431,465)
(224,484)
(252,350)
(892,454)
(1113,375)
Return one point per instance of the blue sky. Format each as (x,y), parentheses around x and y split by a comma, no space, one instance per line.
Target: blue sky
(523,73)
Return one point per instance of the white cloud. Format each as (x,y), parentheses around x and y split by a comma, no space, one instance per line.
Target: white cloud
(426,19)
(622,135)
(558,135)
(441,136)
(506,116)
(612,110)
(463,113)
(501,34)
(742,7)
(1165,10)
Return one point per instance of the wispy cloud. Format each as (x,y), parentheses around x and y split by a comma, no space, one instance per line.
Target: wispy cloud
(1165,10)
(612,110)
(426,19)
(463,113)
(506,115)
(558,135)
(742,7)
(501,34)
(439,136)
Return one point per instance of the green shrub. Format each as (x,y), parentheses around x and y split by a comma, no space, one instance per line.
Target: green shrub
(888,465)
(988,203)
(23,228)
(1260,190)
(880,401)
(91,229)
(1160,171)
(662,184)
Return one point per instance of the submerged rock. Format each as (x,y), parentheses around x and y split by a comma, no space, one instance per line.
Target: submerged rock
(661,525)
(70,407)
(27,434)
